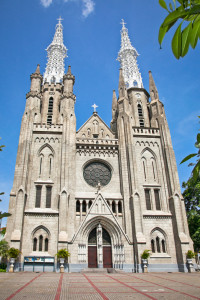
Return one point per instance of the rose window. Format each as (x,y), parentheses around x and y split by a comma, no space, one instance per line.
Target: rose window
(97,172)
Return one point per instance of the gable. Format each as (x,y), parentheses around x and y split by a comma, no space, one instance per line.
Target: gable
(95,127)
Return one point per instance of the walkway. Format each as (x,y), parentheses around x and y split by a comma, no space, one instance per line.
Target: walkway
(52,286)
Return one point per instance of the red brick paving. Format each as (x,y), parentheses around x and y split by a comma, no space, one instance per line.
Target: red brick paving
(90,286)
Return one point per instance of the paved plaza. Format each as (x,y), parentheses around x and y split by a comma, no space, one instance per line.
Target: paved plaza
(53,286)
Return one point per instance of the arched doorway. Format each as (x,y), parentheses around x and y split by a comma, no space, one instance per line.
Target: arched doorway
(99,248)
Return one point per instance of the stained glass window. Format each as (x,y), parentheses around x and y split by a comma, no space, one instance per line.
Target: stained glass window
(97,172)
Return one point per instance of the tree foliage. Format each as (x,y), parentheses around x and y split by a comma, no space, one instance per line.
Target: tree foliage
(188,31)
(191,195)
(3,215)
(4,247)
(196,168)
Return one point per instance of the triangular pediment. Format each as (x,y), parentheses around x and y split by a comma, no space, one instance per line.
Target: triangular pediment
(95,127)
(100,209)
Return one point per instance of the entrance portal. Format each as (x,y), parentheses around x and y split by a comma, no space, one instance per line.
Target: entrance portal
(99,248)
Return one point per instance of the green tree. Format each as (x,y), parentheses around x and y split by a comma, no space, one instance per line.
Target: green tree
(191,195)
(3,215)
(188,30)
(196,168)
(4,247)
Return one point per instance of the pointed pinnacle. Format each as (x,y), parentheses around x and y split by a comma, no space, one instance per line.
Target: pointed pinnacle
(152,88)
(121,78)
(37,71)
(69,71)
(114,100)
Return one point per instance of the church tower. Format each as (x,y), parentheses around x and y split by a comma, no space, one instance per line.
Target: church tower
(105,194)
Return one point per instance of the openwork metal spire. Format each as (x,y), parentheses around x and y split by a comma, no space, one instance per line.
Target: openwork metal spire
(127,57)
(56,53)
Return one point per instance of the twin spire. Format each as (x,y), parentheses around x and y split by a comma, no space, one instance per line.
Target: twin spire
(127,56)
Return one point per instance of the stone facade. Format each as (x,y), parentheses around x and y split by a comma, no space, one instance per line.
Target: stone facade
(120,182)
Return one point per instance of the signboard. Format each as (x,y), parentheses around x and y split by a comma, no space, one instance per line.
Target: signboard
(38,259)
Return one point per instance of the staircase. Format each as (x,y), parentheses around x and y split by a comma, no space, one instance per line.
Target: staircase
(101,270)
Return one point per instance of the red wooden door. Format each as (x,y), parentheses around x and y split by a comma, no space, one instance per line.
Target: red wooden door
(92,257)
(107,257)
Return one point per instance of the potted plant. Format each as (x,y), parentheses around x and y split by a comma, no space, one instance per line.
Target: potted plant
(13,253)
(144,256)
(189,256)
(62,255)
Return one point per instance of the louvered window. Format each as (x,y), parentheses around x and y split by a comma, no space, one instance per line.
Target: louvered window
(148,199)
(38,195)
(48,196)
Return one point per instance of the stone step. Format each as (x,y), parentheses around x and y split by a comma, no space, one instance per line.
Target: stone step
(95,270)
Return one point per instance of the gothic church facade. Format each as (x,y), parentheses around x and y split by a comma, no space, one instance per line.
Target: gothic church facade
(104,193)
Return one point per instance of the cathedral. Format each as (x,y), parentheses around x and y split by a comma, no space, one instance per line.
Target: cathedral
(104,193)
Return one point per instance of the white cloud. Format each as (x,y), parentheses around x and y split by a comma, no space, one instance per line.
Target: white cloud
(88,7)
(46,3)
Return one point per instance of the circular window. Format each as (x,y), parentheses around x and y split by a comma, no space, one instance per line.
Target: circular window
(96,172)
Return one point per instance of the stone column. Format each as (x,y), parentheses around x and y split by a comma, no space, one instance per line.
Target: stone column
(99,246)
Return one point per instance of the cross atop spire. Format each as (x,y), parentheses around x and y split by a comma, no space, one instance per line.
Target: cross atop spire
(123,23)
(127,57)
(59,20)
(94,106)
(56,53)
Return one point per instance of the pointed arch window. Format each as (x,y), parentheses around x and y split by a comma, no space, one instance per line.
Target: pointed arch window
(35,244)
(46,245)
(158,244)
(78,206)
(120,207)
(84,206)
(38,195)
(140,113)
(157,199)
(148,199)
(152,246)
(113,207)
(40,242)
(48,196)
(163,246)
(40,165)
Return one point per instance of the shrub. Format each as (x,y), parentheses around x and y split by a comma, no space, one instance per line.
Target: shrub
(63,253)
(13,252)
(190,254)
(146,254)
(3,266)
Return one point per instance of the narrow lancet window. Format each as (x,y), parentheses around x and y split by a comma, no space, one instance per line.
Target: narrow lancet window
(46,245)
(152,246)
(148,199)
(120,207)
(157,199)
(38,195)
(48,196)
(35,244)
(40,242)
(78,206)
(84,207)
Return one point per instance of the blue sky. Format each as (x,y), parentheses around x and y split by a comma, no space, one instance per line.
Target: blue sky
(92,36)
